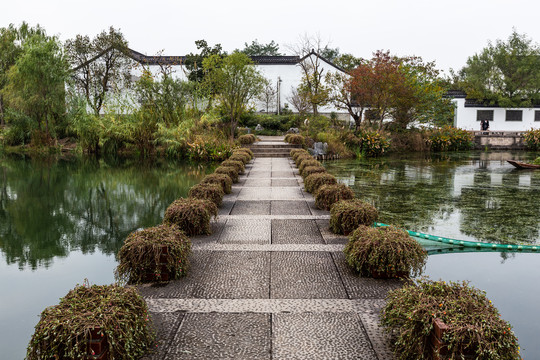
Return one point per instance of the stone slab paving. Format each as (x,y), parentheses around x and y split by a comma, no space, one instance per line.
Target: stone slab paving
(271,282)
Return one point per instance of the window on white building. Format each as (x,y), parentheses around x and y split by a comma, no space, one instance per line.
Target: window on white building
(514,115)
(484,115)
(537,115)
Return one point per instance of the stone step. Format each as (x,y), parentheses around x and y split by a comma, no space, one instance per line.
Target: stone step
(271,145)
(276,150)
(270,155)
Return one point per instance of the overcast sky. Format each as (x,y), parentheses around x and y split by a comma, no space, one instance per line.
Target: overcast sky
(445,31)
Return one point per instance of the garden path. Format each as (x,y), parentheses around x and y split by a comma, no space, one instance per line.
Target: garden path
(271,282)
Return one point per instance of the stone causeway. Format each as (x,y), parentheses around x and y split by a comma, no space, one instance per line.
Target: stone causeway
(271,282)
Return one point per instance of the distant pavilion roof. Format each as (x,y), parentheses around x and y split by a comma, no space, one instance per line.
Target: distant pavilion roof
(178,60)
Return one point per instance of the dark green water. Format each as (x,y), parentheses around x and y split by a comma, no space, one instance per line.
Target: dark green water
(62,221)
(468,196)
(473,196)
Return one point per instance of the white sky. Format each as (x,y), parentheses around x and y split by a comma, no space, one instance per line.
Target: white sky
(445,31)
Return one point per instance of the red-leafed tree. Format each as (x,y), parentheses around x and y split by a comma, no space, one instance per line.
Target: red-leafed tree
(377,84)
(404,89)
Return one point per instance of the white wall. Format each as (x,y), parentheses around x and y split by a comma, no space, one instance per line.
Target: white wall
(465,118)
(290,75)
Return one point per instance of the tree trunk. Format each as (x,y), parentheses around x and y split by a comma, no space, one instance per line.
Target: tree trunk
(2,121)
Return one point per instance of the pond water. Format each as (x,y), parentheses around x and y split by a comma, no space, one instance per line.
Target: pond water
(470,196)
(62,221)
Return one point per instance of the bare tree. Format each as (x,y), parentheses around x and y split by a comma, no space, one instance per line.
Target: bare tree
(268,97)
(299,102)
(98,65)
(312,87)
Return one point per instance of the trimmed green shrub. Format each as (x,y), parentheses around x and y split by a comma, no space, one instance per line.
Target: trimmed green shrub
(314,181)
(312,170)
(295,139)
(224,180)
(212,192)
(329,194)
(385,252)
(247,139)
(228,170)
(286,138)
(294,152)
(157,251)
(238,165)
(347,215)
(191,215)
(64,331)
(475,326)
(308,162)
(240,156)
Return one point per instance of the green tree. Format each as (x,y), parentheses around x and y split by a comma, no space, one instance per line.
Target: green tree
(99,65)
(194,62)
(257,49)
(421,95)
(505,73)
(36,82)
(236,82)
(11,40)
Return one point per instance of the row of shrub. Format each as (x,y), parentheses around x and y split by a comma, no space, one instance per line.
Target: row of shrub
(117,317)
(474,326)
(185,216)
(367,248)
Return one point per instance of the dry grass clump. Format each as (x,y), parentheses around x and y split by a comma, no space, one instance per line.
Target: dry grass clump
(302,157)
(154,254)
(385,252)
(295,139)
(347,215)
(224,180)
(475,327)
(64,331)
(308,162)
(312,170)
(238,165)
(247,139)
(313,182)
(213,192)
(244,150)
(191,215)
(240,156)
(327,195)
(228,170)
(295,152)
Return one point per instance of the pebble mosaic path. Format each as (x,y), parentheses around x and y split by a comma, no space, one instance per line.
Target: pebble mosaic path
(271,282)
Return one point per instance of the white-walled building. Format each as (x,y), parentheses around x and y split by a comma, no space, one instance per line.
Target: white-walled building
(469,113)
(283,72)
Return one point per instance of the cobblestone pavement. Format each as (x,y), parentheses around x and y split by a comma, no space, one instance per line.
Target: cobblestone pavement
(271,282)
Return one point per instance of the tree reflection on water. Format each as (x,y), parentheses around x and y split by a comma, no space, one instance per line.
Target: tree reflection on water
(51,207)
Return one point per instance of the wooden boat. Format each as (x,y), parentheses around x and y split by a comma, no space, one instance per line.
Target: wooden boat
(522,165)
